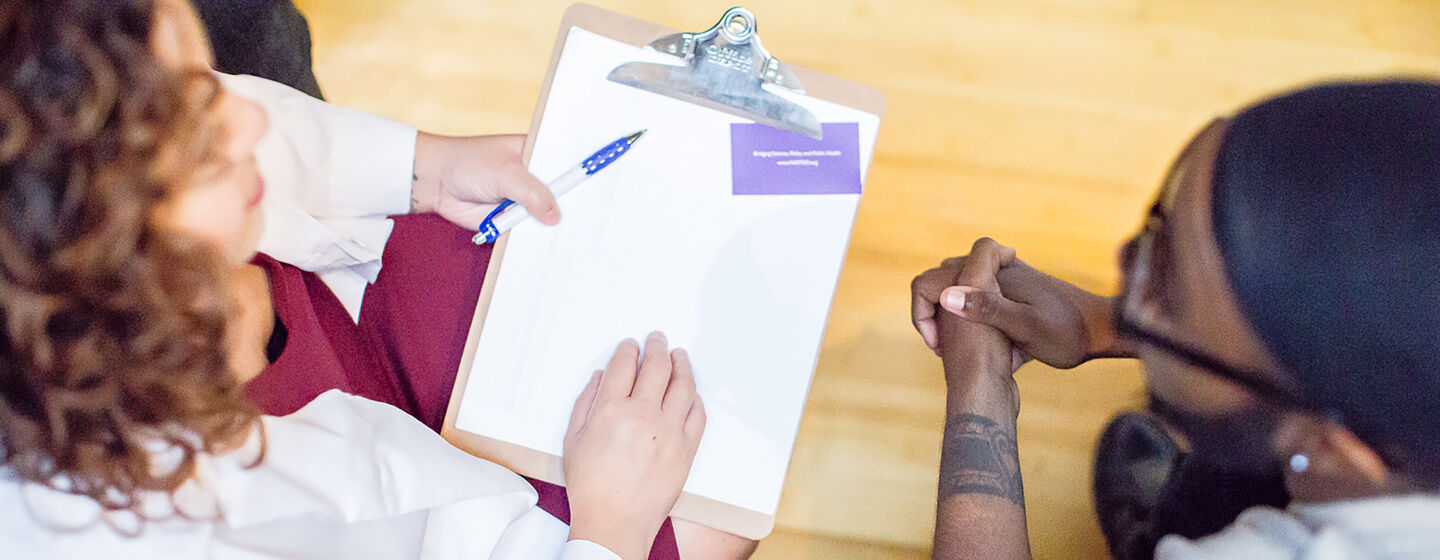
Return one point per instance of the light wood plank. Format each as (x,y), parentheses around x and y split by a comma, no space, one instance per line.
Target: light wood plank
(1043,123)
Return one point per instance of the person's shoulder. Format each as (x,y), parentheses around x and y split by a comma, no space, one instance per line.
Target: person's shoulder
(1260,533)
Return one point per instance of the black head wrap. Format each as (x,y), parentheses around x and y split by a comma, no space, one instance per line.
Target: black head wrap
(1327,215)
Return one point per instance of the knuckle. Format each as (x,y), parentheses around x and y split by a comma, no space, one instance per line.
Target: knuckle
(606,409)
(982,307)
(928,283)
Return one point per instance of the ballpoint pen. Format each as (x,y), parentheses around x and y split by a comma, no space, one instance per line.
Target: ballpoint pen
(507,214)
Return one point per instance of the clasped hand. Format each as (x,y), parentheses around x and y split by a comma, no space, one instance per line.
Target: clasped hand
(1045,318)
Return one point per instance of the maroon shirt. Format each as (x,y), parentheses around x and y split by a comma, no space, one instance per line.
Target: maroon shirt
(407,346)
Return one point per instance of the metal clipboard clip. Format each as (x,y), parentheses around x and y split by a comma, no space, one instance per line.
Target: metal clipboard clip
(726,69)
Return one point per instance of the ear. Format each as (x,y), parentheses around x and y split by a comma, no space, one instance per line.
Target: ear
(1340,465)
(1354,453)
(177,37)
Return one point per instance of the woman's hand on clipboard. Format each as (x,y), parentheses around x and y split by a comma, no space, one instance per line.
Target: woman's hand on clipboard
(632,438)
(463,178)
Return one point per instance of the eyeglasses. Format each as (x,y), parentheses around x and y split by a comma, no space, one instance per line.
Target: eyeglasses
(1135,317)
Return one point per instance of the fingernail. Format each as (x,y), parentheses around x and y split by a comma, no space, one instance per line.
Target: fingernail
(955,301)
(657,337)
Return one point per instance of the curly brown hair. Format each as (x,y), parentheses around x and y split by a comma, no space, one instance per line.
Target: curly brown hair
(112,330)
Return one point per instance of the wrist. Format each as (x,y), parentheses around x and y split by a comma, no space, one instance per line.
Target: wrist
(1105,339)
(610,532)
(987,390)
(987,357)
(978,369)
(426,177)
(985,395)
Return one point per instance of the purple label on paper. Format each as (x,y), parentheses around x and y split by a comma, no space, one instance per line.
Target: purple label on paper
(767,160)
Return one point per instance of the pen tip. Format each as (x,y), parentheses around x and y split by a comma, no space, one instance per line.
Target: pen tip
(633,137)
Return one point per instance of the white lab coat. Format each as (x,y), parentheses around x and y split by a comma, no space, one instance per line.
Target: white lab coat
(344,477)
(332,176)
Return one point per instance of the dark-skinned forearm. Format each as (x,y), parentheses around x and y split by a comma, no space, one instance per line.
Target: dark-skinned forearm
(981,512)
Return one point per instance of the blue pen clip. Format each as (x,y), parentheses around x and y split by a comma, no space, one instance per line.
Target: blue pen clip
(488,233)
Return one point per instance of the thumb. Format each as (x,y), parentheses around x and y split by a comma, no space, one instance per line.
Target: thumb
(990,308)
(522,187)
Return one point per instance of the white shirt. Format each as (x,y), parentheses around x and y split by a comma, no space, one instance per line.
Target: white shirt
(343,477)
(332,176)
(1390,528)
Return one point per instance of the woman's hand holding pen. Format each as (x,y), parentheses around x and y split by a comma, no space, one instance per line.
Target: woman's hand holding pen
(463,178)
(632,437)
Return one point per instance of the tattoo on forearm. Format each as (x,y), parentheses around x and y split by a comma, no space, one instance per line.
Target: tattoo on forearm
(979,457)
(414,200)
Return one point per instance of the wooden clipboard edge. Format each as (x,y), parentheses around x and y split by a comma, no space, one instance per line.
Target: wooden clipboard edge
(544,466)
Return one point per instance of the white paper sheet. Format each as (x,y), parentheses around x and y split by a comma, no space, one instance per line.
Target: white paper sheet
(658,241)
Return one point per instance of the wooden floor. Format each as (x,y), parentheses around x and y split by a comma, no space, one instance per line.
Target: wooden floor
(1043,123)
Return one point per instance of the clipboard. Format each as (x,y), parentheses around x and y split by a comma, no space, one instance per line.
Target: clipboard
(544,466)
